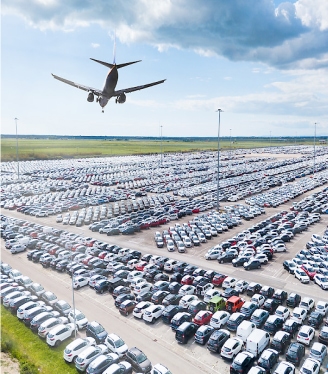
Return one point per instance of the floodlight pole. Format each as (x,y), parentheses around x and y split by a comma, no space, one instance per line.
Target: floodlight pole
(218,184)
(73,296)
(315,134)
(16,119)
(161,145)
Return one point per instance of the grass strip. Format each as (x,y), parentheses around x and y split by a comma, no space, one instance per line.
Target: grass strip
(34,355)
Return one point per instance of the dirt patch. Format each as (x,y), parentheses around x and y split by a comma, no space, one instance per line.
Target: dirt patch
(8,364)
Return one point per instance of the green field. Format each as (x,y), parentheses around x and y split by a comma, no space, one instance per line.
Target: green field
(61,148)
(33,354)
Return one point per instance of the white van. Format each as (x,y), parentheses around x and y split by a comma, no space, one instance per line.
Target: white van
(245,329)
(257,341)
(123,251)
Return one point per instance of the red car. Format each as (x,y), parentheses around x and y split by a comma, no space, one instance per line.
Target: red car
(187,279)
(203,317)
(140,265)
(103,254)
(218,279)
(86,260)
(309,271)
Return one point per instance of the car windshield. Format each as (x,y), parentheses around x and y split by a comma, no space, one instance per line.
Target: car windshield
(98,329)
(119,343)
(307,371)
(79,316)
(141,358)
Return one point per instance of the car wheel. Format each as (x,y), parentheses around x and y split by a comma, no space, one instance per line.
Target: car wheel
(57,344)
(126,313)
(285,250)
(259,267)
(102,291)
(221,262)
(265,262)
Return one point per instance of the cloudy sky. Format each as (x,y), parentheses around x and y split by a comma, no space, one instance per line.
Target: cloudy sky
(263,62)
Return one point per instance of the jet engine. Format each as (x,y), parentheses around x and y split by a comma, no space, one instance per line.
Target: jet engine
(91,97)
(121,98)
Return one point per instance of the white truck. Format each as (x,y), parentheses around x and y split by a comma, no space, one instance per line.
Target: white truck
(257,341)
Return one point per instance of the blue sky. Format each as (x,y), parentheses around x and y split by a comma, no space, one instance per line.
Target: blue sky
(263,62)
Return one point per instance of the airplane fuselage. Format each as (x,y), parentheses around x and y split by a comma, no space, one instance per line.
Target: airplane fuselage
(109,86)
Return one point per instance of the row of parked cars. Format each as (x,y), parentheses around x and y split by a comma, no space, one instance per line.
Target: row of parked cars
(56,322)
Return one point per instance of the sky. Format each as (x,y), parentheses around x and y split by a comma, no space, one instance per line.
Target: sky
(263,62)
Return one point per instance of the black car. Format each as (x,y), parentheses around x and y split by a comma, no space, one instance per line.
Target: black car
(280,296)
(62,307)
(228,292)
(267,291)
(239,261)
(169,312)
(95,330)
(150,275)
(39,319)
(176,277)
(189,269)
(185,331)
(293,300)
(252,264)
(174,287)
(193,309)
(226,257)
(161,277)
(171,299)
(295,353)
(102,286)
(16,303)
(138,360)
(268,359)
(289,266)
(234,321)
(216,340)
(126,296)
(273,324)
(323,335)
(242,363)
(280,341)
(144,297)
(315,320)
(291,327)
(159,296)
(102,362)
(253,288)
(203,333)
(248,308)
(179,267)
(270,305)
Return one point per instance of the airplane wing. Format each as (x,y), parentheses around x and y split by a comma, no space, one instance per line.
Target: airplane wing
(137,88)
(77,85)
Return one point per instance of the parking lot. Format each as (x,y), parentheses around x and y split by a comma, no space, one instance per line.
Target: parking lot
(157,340)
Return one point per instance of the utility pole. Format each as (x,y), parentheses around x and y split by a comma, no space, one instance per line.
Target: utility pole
(16,119)
(218,185)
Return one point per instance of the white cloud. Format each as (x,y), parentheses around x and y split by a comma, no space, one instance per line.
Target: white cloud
(95,45)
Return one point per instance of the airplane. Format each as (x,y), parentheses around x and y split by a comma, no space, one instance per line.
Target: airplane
(104,95)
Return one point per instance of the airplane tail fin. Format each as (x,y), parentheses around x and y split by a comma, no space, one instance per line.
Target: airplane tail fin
(112,65)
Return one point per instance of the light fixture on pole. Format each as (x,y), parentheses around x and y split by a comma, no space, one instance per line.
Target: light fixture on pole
(315,134)
(16,119)
(218,184)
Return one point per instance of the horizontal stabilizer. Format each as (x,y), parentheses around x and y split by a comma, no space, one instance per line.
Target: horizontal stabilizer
(112,65)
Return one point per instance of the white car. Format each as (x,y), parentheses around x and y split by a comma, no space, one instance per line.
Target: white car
(282,312)
(169,265)
(321,281)
(27,306)
(229,282)
(78,345)
(285,367)
(60,333)
(49,324)
(14,295)
(80,319)
(305,335)
(187,242)
(17,248)
(301,276)
(318,351)
(231,348)
(322,307)
(241,286)
(299,315)
(139,309)
(213,254)
(83,360)
(307,303)
(186,300)
(280,247)
(152,313)
(170,246)
(80,281)
(219,319)
(116,345)
(262,258)
(258,299)
(132,264)
(94,279)
(187,289)
(142,288)
(135,281)
(310,366)
(211,293)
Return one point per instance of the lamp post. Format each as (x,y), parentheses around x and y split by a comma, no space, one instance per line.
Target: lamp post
(315,134)
(230,144)
(161,146)
(270,139)
(218,185)
(16,119)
